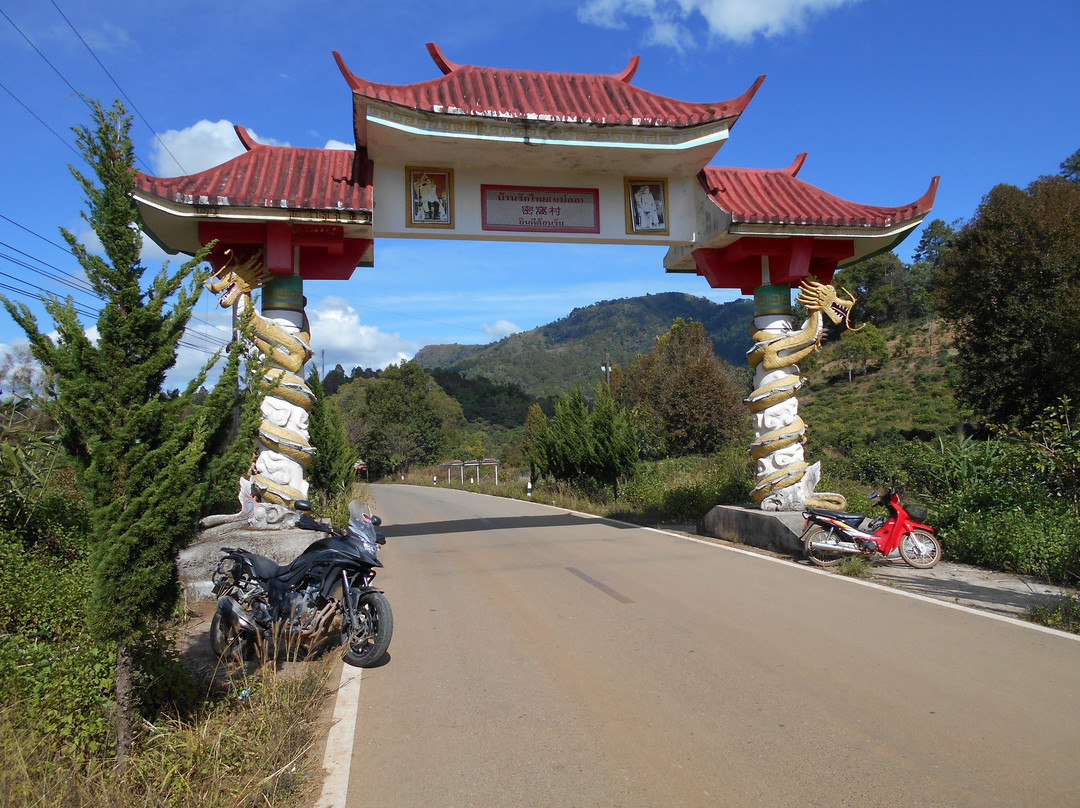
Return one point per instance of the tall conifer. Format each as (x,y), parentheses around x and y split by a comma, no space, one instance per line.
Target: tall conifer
(149,464)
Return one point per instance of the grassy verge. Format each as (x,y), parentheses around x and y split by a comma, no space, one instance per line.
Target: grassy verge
(676,490)
(250,744)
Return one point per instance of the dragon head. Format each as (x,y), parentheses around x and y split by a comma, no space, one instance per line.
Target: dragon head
(235,278)
(816,296)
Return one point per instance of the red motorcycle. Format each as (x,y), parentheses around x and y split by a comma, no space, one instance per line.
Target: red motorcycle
(831,536)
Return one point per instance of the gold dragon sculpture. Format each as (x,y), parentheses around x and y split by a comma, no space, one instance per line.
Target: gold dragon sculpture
(784,480)
(284,450)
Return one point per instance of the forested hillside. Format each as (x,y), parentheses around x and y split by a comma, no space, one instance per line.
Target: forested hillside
(571,351)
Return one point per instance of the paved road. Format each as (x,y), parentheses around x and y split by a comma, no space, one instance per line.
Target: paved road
(542,658)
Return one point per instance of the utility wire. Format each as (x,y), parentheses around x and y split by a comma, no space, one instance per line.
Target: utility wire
(81,96)
(30,42)
(35,233)
(65,278)
(118,87)
(39,120)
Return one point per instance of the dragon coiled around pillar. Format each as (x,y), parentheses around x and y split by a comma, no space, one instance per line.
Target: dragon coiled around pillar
(284,450)
(784,481)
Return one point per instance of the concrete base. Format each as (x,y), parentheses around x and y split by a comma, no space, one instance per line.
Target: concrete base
(768,530)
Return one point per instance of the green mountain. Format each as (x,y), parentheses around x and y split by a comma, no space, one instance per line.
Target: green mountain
(572,351)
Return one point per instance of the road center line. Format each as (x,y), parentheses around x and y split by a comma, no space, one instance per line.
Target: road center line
(607,590)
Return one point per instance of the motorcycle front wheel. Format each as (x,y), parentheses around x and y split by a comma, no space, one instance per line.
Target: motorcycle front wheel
(823,558)
(366,627)
(230,644)
(920,549)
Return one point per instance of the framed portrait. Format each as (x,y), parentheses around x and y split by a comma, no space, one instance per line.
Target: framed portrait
(430,197)
(646,206)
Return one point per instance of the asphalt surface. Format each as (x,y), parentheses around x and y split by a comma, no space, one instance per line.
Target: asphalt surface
(547,658)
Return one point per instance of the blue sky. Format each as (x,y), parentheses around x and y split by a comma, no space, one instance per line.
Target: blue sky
(882,94)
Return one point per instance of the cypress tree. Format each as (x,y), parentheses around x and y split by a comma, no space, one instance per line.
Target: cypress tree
(149,464)
(332,467)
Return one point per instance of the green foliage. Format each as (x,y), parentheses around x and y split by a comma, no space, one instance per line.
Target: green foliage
(1064,615)
(504,405)
(685,399)
(888,290)
(148,463)
(580,446)
(28,454)
(332,467)
(400,419)
(1009,286)
(1053,449)
(1070,167)
(250,747)
(859,349)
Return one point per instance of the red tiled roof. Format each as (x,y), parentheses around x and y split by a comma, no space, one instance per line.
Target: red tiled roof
(281,177)
(776,196)
(524,94)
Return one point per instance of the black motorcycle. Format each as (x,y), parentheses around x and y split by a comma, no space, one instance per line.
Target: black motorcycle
(300,604)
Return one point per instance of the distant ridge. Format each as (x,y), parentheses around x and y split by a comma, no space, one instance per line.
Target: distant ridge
(570,351)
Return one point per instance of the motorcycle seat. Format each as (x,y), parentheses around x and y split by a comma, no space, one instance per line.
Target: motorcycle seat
(266,568)
(853,519)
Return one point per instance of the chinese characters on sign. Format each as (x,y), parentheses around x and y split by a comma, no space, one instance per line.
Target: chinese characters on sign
(540,210)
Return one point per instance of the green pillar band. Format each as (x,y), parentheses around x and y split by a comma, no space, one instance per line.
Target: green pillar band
(283,293)
(772,299)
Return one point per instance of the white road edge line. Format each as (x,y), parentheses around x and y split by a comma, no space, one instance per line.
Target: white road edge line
(891,589)
(841,578)
(337,760)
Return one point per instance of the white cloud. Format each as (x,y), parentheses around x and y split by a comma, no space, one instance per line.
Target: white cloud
(671,22)
(198,147)
(337,334)
(500,329)
(338,144)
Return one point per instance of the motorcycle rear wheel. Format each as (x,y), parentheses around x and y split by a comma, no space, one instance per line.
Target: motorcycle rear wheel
(920,549)
(366,627)
(823,558)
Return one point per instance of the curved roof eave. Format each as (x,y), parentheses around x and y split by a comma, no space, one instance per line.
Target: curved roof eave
(598,99)
(272,178)
(776,197)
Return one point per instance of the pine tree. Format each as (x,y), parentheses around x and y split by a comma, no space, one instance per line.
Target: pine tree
(148,463)
(332,467)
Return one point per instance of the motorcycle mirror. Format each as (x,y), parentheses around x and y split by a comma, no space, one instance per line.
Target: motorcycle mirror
(301,504)
(376,521)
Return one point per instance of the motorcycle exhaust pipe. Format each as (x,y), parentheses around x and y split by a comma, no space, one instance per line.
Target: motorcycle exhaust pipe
(849,549)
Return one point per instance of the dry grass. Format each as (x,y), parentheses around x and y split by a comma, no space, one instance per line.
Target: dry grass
(250,745)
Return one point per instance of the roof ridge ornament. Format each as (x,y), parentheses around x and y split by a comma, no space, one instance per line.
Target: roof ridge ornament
(445,65)
(629,71)
(245,137)
(796,167)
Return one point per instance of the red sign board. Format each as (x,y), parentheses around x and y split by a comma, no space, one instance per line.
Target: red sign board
(524,209)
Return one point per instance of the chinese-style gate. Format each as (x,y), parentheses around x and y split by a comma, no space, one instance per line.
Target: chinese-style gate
(493,154)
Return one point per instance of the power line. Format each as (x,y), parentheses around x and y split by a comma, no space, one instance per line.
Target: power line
(81,96)
(118,87)
(38,119)
(67,279)
(30,42)
(35,233)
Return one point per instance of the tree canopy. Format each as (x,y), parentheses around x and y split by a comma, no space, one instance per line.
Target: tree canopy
(1009,285)
(399,419)
(685,399)
(148,463)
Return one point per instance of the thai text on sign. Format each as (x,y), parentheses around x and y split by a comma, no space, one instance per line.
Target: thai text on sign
(540,210)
